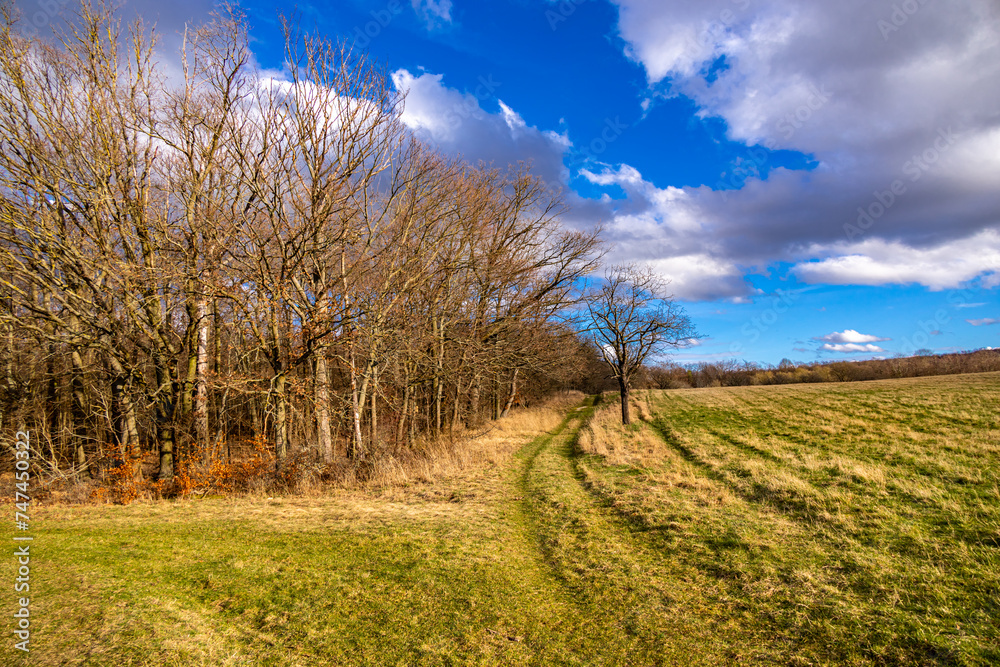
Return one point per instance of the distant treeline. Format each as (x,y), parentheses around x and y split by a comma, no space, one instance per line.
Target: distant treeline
(734,373)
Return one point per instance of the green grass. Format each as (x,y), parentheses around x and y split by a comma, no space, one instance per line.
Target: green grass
(829,524)
(857,524)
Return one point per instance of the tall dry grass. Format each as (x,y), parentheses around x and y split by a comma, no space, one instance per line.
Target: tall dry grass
(429,460)
(433,459)
(634,445)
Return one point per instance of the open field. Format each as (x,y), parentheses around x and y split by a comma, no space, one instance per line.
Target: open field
(829,524)
(846,523)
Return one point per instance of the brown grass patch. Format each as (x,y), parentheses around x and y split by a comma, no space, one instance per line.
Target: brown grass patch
(430,461)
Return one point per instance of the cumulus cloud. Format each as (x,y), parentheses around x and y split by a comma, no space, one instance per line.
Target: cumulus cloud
(986,321)
(850,347)
(850,336)
(784,54)
(656,226)
(663,228)
(458,124)
(879,262)
(903,122)
(850,341)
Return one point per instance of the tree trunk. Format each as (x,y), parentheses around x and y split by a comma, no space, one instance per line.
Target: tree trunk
(495,403)
(513,393)
(374,408)
(279,387)
(123,415)
(280,419)
(220,408)
(624,388)
(164,417)
(79,410)
(79,414)
(321,383)
(401,424)
(475,390)
(52,401)
(201,376)
(118,433)
(358,450)
(455,408)
(438,379)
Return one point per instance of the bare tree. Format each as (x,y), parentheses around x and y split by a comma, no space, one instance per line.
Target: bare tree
(79,242)
(632,318)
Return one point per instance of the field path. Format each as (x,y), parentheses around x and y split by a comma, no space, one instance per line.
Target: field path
(612,568)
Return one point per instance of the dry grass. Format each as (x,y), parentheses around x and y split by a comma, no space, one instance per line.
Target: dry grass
(857,523)
(439,572)
(637,446)
(840,524)
(494,445)
(431,460)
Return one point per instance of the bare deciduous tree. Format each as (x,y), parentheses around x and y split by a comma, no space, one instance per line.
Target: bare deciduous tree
(631,319)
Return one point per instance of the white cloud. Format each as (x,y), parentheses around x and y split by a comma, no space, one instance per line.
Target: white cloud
(434,12)
(701,277)
(823,79)
(986,321)
(851,347)
(991,280)
(511,117)
(850,336)
(458,124)
(879,262)
(663,228)
(748,229)
(779,53)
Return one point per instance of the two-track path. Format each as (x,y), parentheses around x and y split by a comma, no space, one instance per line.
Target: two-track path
(612,568)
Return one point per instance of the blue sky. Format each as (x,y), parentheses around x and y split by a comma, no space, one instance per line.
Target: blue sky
(818,180)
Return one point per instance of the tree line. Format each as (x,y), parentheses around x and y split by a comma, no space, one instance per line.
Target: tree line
(197,256)
(735,373)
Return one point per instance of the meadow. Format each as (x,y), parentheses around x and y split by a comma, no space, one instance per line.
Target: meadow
(800,525)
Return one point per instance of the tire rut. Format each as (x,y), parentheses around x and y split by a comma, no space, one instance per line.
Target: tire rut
(797,508)
(615,574)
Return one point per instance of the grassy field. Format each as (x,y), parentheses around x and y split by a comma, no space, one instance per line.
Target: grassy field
(851,523)
(824,524)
